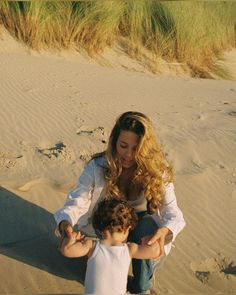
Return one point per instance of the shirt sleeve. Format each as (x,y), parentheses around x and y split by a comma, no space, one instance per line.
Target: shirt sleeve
(78,200)
(170,214)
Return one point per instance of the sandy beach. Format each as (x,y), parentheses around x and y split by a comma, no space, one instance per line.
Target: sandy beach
(57,110)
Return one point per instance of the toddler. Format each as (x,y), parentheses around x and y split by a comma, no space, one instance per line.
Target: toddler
(109,257)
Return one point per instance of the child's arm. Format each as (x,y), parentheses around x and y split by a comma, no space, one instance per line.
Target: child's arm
(75,246)
(144,251)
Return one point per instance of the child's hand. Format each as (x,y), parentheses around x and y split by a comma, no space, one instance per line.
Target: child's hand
(160,237)
(155,245)
(145,240)
(68,241)
(74,237)
(75,245)
(79,236)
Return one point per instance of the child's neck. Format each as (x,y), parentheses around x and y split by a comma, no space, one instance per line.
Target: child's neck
(113,239)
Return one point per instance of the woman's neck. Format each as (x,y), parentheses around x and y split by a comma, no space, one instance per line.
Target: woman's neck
(128,173)
(129,170)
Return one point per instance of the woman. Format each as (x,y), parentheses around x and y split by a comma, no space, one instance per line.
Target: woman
(134,168)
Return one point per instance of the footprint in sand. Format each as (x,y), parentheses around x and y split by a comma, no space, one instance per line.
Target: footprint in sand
(42,181)
(28,185)
(9,160)
(219,272)
(97,132)
(232,113)
(193,165)
(59,150)
(85,156)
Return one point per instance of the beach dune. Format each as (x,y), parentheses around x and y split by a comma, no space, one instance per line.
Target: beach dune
(56,111)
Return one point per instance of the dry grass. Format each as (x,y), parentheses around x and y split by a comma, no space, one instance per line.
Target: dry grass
(191,32)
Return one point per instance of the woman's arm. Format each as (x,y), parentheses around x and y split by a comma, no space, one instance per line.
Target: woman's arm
(144,251)
(160,237)
(169,219)
(171,215)
(78,200)
(76,246)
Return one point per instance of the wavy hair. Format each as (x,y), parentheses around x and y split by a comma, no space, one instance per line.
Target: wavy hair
(114,215)
(153,171)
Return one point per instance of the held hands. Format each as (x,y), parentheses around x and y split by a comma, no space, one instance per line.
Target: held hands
(76,237)
(67,242)
(154,249)
(160,237)
(65,229)
(68,235)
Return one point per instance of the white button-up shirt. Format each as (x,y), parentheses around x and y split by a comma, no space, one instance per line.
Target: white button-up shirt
(80,202)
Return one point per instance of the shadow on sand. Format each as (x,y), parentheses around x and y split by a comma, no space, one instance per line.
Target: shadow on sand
(27,235)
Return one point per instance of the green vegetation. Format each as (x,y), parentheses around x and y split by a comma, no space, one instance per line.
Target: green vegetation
(193,33)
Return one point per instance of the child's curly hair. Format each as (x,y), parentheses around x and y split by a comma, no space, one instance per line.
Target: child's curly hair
(115,215)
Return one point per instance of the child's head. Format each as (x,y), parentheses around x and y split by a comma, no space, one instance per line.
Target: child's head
(114,215)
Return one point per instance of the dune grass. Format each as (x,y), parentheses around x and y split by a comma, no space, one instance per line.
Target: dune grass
(193,33)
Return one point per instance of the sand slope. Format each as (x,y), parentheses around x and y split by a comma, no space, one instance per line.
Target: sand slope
(55,112)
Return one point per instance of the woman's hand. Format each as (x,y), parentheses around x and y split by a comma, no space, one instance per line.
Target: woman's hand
(155,246)
(160,237)
(65,229)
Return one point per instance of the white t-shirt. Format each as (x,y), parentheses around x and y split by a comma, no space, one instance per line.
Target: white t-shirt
(107,269)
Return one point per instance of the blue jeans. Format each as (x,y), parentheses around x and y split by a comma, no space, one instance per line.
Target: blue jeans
(142,269)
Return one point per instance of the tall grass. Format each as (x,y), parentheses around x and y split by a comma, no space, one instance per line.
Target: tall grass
(203,33)
(193,33)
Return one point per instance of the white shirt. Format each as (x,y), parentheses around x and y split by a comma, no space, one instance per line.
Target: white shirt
(81,201)
(107,270)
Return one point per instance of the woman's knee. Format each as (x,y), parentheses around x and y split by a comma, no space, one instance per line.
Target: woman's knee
(145,227)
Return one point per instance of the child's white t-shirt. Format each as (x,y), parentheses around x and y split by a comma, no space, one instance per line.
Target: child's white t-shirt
(107,269)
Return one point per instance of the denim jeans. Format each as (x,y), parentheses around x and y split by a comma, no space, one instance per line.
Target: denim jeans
(142,269)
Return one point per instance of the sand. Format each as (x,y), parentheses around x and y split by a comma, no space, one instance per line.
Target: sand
(57,110)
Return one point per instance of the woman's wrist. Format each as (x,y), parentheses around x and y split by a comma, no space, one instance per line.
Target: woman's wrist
(168,234)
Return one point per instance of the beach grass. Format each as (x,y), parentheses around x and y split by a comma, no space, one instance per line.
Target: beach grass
(192,33)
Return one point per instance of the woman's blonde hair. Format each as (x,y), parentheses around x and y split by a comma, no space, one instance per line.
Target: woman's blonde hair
(153,171)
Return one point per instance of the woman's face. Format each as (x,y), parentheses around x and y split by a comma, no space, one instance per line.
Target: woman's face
(126,146)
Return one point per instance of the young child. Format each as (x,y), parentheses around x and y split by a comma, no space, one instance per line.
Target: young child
(109,257)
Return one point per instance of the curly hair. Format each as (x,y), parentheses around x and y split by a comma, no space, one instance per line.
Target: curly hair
(153,171)
(114,215)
